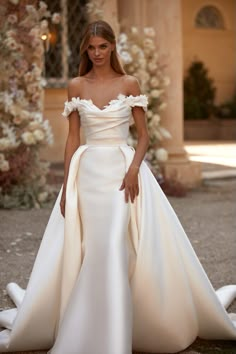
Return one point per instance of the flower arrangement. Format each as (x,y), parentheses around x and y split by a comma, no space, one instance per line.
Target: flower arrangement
(140,57)
(23,130)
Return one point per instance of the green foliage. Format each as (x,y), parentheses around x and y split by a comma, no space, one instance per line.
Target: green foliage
(199,92)
(227,110)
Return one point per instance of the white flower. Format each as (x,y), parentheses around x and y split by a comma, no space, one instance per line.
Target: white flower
(28,138)
(11,43)
(43,5)
(5,143)
(33,125)
(156,118)
(44,24)
(39,135)
(25,115)
(149,113)
(17,120)
(130,141)
(162,106)
(12,19)
(123,38)
(135,49)
(38,117)
(161,154)
(32,88)
(143,76)
(56,18)
(35,97)
(31,9)
(37,70)
(149,31)
(134,30)
(166,81)
(154,82)
(157,134)
(142,63)
(29,77)
(126,57)
(2,158)
(4,166)
(11,33)
(164,132)
(148,42)
(34,32)
(152,66)
(42,197)
(42,181)
(156,93)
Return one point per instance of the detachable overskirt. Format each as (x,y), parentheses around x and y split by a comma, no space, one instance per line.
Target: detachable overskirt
(113,275)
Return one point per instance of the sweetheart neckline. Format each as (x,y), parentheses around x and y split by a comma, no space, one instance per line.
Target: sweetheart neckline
(119,97)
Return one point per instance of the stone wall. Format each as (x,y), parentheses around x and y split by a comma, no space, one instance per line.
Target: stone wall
(215,47)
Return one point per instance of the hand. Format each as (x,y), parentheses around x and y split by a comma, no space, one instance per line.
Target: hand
(63,203)
(130,184)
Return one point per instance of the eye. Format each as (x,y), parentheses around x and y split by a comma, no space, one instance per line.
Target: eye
(103,46)
(90,47)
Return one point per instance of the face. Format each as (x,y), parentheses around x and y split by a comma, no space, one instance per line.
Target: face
(99,51)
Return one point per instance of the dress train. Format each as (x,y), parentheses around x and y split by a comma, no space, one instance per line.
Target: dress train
(112,276)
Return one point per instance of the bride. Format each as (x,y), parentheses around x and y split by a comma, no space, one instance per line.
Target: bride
(115,270)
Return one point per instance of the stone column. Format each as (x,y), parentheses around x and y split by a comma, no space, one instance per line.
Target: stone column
(165,17)
(110,13)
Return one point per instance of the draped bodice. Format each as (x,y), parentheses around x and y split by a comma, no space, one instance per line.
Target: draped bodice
(109,124)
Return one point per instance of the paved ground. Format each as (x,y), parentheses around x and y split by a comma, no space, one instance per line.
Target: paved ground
(207,214)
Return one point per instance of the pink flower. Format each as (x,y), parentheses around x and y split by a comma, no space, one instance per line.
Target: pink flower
(12,19)
(56,18)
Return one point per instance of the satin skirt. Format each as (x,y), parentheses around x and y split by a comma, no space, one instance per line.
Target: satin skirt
(114,276)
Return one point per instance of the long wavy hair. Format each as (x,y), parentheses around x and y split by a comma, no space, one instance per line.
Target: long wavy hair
(104,30)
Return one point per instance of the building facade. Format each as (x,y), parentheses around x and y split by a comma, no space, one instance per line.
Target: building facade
(186,30)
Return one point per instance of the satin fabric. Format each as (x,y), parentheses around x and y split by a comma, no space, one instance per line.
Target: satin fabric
(113,276)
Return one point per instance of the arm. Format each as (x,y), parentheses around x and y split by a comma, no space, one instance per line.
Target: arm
(72,142)
(130,182)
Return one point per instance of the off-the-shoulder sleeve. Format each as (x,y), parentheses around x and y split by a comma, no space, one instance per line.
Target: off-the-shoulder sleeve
(137,101)
(71,106)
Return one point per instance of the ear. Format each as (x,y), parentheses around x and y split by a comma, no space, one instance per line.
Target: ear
(112,46)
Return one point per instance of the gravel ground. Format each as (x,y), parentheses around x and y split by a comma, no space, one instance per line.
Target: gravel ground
(207,214)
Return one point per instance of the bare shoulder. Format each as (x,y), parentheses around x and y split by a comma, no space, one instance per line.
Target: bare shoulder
(75,87)
(132,85)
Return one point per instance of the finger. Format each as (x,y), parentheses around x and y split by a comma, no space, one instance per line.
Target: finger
(62,207)
(132,194)
(122,185)
(126,194)
(135,192)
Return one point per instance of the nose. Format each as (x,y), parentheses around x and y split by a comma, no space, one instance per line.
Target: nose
(97,52)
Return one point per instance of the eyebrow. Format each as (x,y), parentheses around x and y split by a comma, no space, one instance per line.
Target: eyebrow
(104,43)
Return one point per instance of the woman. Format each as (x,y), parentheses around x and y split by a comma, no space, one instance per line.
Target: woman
(118,273)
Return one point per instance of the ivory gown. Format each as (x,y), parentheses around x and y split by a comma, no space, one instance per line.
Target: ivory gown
(113,276)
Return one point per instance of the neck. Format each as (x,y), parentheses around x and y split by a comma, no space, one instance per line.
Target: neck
(102,73)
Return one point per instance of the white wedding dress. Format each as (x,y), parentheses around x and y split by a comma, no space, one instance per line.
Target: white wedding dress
(113,276)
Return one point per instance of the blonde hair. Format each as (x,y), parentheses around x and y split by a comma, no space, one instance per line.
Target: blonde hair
(104,30)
